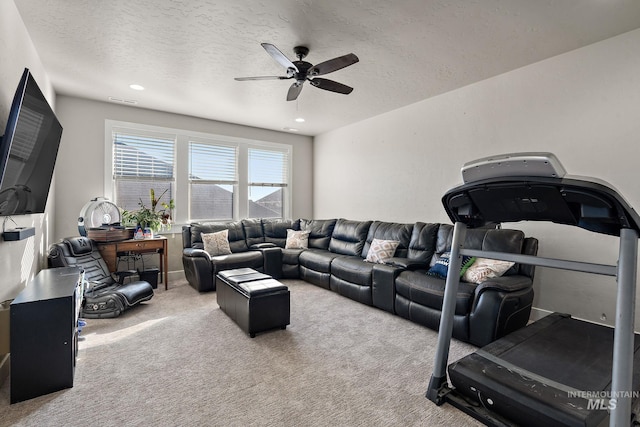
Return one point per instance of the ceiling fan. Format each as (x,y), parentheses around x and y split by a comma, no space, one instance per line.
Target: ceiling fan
(302,71)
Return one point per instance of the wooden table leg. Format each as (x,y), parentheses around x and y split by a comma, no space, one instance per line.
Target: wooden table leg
(165,264)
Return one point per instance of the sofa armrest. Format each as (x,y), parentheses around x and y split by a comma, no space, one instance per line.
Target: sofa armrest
(511,283)
(383,287)
(198,269)
(195,253)
(501,306)
(272,258)
(406,263)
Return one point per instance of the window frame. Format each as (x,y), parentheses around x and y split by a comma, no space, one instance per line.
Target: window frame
(181,167)
(235,183)
(264,184)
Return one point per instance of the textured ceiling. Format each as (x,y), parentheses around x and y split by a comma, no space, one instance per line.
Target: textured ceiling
(187,52)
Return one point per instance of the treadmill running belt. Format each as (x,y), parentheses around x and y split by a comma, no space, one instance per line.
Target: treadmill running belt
(540,374)
(579,354)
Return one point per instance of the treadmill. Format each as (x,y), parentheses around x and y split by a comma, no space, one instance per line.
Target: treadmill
(559,370)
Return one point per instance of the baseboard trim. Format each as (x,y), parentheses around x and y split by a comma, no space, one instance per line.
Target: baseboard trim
(537,314)
(176,275)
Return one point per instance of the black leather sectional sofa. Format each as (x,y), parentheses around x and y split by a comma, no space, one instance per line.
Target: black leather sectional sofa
(335,260)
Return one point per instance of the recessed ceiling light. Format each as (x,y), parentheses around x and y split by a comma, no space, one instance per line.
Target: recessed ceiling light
(136,87)
(300,120)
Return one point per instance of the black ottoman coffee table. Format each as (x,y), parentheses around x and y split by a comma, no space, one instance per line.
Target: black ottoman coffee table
(253,300)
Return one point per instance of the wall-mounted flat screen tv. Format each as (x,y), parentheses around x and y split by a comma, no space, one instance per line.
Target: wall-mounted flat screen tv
(28,151)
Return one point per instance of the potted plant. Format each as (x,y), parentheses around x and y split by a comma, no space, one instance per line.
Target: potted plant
(150,217)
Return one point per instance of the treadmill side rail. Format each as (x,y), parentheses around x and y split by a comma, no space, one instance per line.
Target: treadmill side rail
(622,372)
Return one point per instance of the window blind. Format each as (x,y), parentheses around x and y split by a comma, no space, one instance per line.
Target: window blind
(143,156)
(268,168)
(31,122)
(212,163)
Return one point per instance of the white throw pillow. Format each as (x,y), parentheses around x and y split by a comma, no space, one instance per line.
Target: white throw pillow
(381,250)
(297,239)
(216,243)
(485,268)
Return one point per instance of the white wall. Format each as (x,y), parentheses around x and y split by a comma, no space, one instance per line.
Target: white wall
(20,261)
(81,157)
(583,106)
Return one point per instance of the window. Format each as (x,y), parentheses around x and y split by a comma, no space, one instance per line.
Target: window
(142,162)
(268,177)
(212,180)
(209,177)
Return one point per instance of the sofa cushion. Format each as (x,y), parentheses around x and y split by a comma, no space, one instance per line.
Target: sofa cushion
(349,237)
(275,230)
(441,267)
(420,288)
(291,256)
(352,269)
(253,232)
(381,250)
(237,242)
(484,268)
(297,239)
(389,231)
(321,231)
(486,239)
(318,260)
(216,243)
(422,245)
(504,240)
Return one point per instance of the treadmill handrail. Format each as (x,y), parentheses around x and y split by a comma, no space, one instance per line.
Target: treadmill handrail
(563,264)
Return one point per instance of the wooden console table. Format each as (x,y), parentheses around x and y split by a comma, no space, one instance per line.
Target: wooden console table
(110,251)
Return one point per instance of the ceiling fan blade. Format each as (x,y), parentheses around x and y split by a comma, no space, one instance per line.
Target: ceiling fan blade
(294,91)
(242,79)
(327,84)
(279,56)
(333,65)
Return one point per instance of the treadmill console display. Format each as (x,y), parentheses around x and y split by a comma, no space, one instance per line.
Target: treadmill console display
(535,187)
(515,164)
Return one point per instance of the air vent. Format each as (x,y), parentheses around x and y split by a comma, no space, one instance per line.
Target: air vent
(123,101)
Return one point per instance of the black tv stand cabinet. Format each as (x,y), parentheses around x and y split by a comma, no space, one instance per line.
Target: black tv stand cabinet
(44,333)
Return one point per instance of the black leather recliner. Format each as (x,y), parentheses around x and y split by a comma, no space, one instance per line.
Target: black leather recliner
(201,269)
(350,275)
(485,311)
(104,296)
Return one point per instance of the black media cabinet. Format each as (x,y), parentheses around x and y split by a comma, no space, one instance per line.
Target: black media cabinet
(44,333)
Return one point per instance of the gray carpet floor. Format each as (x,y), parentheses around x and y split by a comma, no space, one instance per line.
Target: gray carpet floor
(178,360)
